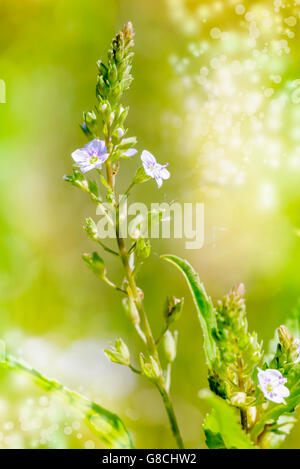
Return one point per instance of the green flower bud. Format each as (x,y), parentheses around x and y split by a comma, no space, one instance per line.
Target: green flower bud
(170,345)
(140,176)
(91,229)
(102,69)
(119,354)
(131,310)
(128,143)
(238,351)
(95,263)
(77,179)
(173,309)
(285,338)
(143,249)
(113,74)
(101,87)
(122,114)
(150,368)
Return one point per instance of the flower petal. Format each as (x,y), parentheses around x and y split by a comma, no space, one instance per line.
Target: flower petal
(159,181)
(80,156)
(164,173)
(130,152)
(284,391)
(147,158)
(87,167)
(273,374)
(96,147)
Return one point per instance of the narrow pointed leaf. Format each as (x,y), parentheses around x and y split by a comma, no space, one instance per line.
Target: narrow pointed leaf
(203,304)
(108,427)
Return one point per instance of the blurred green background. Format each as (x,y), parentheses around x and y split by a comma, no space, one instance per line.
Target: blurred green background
(216,94)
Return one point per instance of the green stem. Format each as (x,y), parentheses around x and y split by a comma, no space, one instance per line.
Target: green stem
(172,416)
(133,293)
(111,284)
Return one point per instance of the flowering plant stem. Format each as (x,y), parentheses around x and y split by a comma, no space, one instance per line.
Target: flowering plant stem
(145,334)
(108,120)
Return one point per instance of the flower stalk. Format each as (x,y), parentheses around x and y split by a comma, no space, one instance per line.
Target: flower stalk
(113,79)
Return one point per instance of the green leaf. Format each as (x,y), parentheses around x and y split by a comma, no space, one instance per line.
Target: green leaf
(108,427)
(221,427)
(93,188)
(95,263)
(278,432)
(203,304)
(211,428)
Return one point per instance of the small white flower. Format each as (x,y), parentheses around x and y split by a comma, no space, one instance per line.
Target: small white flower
(154,169)
(271,382)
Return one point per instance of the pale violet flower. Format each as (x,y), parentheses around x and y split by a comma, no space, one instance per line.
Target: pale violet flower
(271,382)
(91,156)
(154,169)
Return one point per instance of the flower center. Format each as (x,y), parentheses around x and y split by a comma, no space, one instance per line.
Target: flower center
(93,159)
(269,387)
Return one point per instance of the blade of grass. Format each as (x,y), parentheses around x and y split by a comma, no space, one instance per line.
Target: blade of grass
(108,427)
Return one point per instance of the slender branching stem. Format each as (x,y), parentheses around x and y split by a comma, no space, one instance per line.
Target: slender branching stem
(135,296)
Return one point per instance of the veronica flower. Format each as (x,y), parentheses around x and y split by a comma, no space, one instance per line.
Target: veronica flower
(271,382)
(91,156)
(154,169)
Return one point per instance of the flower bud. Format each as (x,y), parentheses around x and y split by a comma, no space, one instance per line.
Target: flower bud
(170,345)
(91,229)
(173,309)
(150,368)
(117,136)
(140,176)
(238,399)
(143,249)
(285,337)
(119,354)
(128,143)
(113,74)
(131,310)
(95,263)
(102,69)
(123,114)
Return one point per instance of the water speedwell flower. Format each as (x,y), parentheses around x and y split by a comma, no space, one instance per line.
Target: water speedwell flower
(271,382)
(154,169)
(91,156)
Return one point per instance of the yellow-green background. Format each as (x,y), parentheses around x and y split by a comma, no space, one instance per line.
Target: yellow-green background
(49,301)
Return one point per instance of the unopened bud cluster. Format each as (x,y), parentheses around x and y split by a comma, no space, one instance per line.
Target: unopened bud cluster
(238,350)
